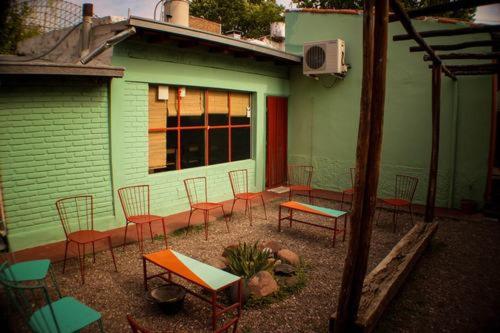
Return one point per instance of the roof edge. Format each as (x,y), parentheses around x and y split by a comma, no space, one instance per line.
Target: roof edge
(43,68)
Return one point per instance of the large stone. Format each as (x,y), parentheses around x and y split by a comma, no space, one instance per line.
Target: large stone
(231,246)
(284,269)
(273,245)
(289,256)
(262,284)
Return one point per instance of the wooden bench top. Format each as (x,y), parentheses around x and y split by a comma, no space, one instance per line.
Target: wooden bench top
(311,209)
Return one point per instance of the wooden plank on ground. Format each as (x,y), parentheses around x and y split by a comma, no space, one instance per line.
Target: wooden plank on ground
(384,281)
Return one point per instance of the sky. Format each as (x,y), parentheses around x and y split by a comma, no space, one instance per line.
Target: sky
(145,8)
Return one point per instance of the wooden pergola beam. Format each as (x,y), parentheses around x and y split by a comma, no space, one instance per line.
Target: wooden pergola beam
(475,67)
(451,56)
(459,46)
(464,73)
(446,7)
(451,32)
(406,22)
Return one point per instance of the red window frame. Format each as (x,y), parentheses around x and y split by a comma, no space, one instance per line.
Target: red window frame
(204,127)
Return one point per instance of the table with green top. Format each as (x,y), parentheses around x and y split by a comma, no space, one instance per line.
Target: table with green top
(212,279)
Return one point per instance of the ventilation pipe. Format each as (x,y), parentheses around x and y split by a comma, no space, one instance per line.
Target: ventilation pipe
(177,12)
(87,13)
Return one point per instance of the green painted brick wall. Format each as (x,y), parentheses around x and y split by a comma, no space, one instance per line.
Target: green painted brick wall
(324,114)
(54,142)
(169,65)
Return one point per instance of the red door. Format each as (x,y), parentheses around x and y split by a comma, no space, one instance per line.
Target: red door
(276,157)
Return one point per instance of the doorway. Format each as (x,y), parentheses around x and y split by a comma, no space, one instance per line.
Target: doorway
(276,152)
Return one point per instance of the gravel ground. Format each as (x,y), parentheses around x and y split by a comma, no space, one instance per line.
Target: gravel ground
(432,288)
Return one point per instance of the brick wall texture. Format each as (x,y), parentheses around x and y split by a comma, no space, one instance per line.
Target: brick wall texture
(54,142)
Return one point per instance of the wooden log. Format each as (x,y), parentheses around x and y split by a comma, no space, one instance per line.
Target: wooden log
(385,280)
(406,22)
(375,27)
(451,32)
(445,7)
(451,56)
(433,168)
(468,73)
(459,46)
(475,67)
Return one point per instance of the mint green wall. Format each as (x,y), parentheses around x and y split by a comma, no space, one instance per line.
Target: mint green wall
(324,114)
(54,142)
(191,67)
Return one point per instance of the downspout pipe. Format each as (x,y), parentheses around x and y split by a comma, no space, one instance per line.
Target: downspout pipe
(107,44)
(87,13)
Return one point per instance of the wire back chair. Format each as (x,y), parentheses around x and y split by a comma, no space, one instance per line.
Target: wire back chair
(77,218)
(44,315)
(239,186)
(299,179)
(349,191)
(404,191)
(136,205)
(197,193)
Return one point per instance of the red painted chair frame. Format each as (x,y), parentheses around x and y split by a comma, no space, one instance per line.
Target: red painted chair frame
(349,191)
(299,180)
(135,327)
(136,205)
(404,191)
(69,210)
(196,190)
(239,185)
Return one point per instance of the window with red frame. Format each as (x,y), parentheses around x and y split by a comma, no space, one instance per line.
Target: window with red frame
(191,127)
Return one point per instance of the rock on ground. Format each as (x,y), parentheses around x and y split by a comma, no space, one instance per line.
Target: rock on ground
(289,256)
(262,284)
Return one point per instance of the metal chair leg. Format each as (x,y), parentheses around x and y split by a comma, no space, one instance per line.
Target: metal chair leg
(164,232)
(342,200)
(205,217)
(81,261)
(394,219)
(411,213)
(65,256)
(225,218)
(93,252)
(125,236)
(112,254)
(250,211)
(101,328)
(189,220)
(264,206)
(151,232)
(54,281)
(232,208)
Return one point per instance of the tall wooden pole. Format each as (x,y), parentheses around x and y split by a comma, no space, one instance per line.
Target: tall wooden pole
(375,24)
(433,169)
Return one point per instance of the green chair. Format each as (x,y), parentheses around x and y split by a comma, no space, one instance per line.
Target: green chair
(44,315)
(33,270)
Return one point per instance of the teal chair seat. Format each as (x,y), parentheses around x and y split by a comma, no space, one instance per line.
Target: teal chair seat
(27,270)
(71,315)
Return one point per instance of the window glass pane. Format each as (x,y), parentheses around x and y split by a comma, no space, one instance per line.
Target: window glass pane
(218,140)
(171,150)
(240,143)
(192,108)
(157,150)
(192,148)
(240,102)
(172,107)
(157,109)
(218,107)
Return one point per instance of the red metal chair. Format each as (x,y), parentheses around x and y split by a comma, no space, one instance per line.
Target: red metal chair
(77,218)
(349,191)
(404,191)
(299,180)
(135,202)
(196,189)
(135,327)
(239,185)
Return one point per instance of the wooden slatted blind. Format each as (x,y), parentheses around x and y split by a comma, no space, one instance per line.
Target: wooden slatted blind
(192,103)
(239,104)
(217,102)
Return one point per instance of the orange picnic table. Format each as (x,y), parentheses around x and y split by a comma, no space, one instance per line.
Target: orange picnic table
(294,206)
(208,277)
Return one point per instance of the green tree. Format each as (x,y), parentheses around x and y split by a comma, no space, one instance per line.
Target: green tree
(251,17)
(408,4)
(13,27)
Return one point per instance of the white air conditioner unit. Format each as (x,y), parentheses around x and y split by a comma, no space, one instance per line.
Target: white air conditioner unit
(324,57)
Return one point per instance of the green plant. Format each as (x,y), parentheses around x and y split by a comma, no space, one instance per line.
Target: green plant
(247,260)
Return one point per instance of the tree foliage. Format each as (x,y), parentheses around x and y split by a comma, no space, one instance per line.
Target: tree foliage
(251,17)
(13,27)
(408,4)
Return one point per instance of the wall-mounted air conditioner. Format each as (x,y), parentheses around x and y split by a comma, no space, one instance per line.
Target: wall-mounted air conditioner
(324,57)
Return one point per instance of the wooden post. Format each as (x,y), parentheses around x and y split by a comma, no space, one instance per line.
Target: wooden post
(433,169)
(375,25)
